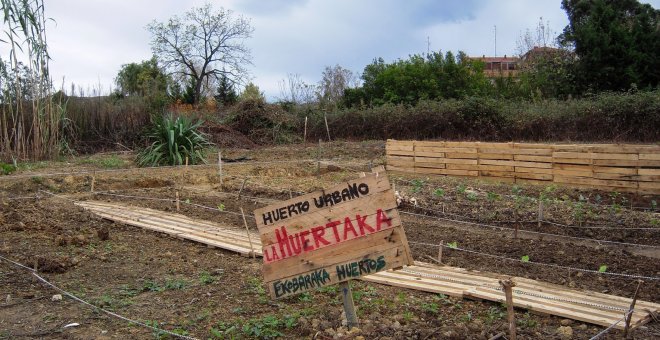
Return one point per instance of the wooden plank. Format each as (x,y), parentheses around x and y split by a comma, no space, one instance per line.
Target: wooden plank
(419,284)
(626,148)
(572,155)
(623,156)
(528,158)
(335,273)
(502,168)
(533,152)
(649,172)
(506,150)
(557,160)
(625,162)
(462,155)
(519,169)
(401,152)
(463,166)
(573,167)
(429,143)
(591,181)
(430,165)
(399,168)
(430,160)
(495,162)
(536,176)
(495,156)
(501,174)
(430,171)
(462,144)
(429,154)
(615,170)
(538,165)
(653,187)
(650,156)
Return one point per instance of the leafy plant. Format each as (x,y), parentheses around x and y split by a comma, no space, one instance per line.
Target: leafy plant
(516,190)
(6,169)
(221,207)
(472,196)
(461,188)
(494,314)
(452,245)
(524,258)
(439,192)
(602,268)
(417,185)
(265,328)
(174,141)
(431,308)
(491,196)
(654,205)
(206,278)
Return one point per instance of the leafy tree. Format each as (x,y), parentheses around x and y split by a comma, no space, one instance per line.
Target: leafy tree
(252,92)
(142,79)
(335,80)
(226,95)
(203,44)
(616,41)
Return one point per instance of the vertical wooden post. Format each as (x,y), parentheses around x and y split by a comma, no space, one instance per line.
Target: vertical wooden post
(220,167)
(327,128)
(318,160)
(305,135)
(186,162)
(93,181)
(515,230)
(540,214)
(349,306)
(630,311)
(442,244)
(290,194)
(371,165)
(242,186)
(178,205)
(247,230)
(508,292)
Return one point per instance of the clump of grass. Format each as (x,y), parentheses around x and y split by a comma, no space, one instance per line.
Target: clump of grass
(174,141)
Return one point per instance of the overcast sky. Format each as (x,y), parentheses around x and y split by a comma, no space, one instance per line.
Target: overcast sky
(91,39)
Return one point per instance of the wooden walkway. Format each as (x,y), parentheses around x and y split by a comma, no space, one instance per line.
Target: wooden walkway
(587,306)
(178,225)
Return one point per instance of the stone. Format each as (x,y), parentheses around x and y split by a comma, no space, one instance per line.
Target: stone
(68,179)
(566,322)
(396,325)
(583,327)
(565,332)
(56,297)
(316,323)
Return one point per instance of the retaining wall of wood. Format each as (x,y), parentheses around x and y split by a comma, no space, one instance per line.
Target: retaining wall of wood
(609,167)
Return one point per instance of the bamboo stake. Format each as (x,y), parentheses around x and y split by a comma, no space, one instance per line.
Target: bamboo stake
(630,311)
(290,194)
(305,135)
(220,167)
(325,117)
(540,214)
(93,181)
(508,285)
(318,160)
(178,206)
(440,251)
(186,162)
(247,230)
(242,186)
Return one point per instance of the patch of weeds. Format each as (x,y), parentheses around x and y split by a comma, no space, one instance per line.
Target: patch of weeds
(516,189)
(452,245)
(223,331)
(461,188)
(329,289)
(439,192)
(401,297)
(467,317)
(654,205)
(305,297)
(175,284)
(37,179)
(526,321)
(408,316)
(494,314)
(206,278)
(238,310)
(265,328)
(491,196)
(257,287)
(127,291)
(417,185)
(471,196)
(152,286)
(158,334)
(431,308)
(6,169)
(291,320)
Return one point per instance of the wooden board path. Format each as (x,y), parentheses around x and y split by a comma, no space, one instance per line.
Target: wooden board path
(177,225)
(587,306)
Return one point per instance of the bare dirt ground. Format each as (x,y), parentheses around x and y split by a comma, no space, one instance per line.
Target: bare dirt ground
(190,289)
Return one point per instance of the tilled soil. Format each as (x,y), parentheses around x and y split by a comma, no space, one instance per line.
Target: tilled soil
(188,288)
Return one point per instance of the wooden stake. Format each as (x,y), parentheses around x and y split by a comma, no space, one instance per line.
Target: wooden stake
(515,231)
(630,311)
(93,181)
(220,167)
(178,205)
(440,251)
(290,194)
(247,230)
(540,214)
(186,162)
(349,306)
(507,285)
(318,160)
(242,186)
(371,166)
(305,135)
(325,117)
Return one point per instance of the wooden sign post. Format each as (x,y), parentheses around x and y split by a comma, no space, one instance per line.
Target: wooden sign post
(331,236)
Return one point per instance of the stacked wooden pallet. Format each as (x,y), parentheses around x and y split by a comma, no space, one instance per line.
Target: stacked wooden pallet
(179,226)
(587,306)
(632,168)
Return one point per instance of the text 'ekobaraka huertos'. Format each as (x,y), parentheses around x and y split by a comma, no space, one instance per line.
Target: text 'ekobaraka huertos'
(331,236)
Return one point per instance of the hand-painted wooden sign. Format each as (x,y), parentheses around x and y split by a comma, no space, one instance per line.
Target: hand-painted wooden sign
(331,236)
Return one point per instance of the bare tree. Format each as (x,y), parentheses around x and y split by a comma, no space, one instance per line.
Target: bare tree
(334,81)
(203,45)
(293,89)
(543,36)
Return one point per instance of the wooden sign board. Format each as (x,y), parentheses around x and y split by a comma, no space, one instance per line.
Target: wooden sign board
(331,236)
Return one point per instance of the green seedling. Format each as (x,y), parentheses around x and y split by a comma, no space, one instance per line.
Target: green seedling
(206,278)
(417,185)
(452,245)
(461,188)
(221,207)
(602,268)
(441,192)
(525,258)
(472,196)
(491,196)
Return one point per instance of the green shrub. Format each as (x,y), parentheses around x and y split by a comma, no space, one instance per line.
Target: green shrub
(6,169)
(174,140)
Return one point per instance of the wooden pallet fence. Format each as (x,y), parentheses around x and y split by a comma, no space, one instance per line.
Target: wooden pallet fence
(609,167)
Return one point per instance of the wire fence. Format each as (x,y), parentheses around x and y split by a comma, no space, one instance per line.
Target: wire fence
(75,298)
